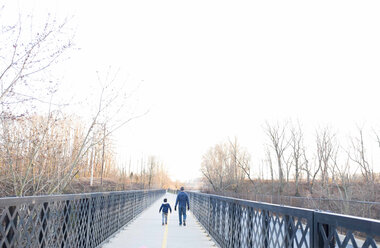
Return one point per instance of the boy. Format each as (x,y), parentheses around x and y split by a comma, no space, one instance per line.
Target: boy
(165,207)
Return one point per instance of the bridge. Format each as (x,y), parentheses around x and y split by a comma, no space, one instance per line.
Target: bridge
(131,219)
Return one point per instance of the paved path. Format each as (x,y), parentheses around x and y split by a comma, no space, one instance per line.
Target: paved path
(147,232)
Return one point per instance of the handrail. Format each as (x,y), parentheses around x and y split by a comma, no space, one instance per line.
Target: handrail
(72,220)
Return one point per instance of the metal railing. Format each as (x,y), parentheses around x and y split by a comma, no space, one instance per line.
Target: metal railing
(364,209)
(77,220)
(239,223)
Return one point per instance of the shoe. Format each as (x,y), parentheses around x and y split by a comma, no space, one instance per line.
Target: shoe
(184,223)
(180,224)
(162,223)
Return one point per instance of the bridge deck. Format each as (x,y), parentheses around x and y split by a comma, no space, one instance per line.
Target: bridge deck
(147,232)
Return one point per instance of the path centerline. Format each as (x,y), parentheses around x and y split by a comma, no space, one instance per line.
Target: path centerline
(164,240)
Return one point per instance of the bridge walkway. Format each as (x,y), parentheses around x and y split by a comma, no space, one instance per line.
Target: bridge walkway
(147,232)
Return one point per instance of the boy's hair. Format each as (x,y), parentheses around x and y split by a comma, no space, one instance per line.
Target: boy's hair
(165,200)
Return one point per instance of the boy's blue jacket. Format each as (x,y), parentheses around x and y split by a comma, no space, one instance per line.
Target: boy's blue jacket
(182,200)
(165,207)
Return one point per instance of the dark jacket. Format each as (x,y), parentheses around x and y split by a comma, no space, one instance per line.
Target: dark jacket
(165,207)
(182,200)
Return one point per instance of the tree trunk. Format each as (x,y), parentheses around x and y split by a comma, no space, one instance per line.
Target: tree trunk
(104,146)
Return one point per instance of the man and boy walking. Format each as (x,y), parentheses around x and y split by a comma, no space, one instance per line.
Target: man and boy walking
(182,201)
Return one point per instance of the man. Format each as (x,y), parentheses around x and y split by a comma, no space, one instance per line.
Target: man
(182,201)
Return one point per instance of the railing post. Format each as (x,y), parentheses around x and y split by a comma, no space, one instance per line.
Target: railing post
(329,235)
(322,233)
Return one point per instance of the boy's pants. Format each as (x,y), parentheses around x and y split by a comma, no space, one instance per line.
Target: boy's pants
(164,218)
(182,212)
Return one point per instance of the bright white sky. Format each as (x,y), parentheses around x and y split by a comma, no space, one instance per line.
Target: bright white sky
(213,69)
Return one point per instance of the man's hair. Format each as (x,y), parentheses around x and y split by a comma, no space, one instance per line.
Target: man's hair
(165,200)
(182,188)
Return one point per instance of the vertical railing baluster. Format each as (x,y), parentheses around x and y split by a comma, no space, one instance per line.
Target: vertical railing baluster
(9,221)
(289,232)
(89,216)
(42,234)
(66,214)
(208,212)
(231,219)
(237,229)
(224,219)
(118,213)
(265,228)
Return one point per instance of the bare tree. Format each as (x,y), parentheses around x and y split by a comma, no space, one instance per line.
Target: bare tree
(377,139)
(326,148)
(152,164)
(279,143)
(225,166)
(343,181)
(110,112)
(358,155)
(214,168)
(208,170)
(37,156)
(312,168)
(103,151)
(28,50)
(87,137)
(296,144)
(269,161)
(240,164)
